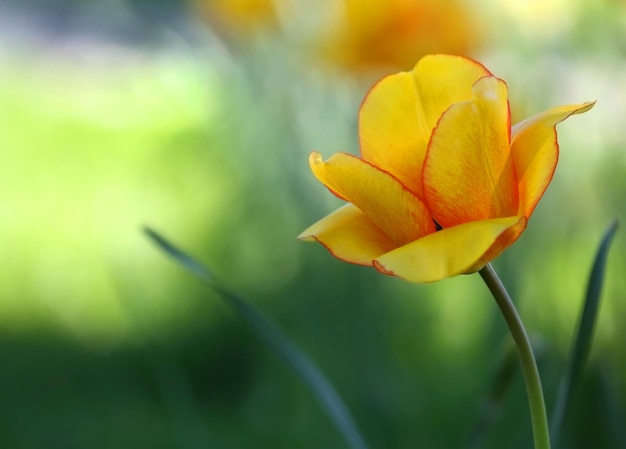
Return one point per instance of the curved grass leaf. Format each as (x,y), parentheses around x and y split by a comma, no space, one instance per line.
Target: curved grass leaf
(188,262)
(613,409)
(584,336)
(300,363)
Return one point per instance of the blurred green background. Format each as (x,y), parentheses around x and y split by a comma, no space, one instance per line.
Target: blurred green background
(196,118)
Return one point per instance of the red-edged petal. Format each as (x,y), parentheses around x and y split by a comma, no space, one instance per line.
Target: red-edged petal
(392,131)
(468,175)
(398,114)
(386,202)
(443,80)
(535,152)
(350,236)
(460,249)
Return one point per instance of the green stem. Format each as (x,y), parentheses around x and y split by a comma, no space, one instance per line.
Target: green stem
(538,416)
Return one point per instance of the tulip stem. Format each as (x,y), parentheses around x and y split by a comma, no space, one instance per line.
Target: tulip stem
(538,416)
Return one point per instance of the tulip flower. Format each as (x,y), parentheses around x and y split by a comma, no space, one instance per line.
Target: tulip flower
(443,183)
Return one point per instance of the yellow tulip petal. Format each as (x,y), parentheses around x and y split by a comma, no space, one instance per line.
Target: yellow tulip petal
(468,175)
(503,241)
(443,80)
(350,236)
(392,131)
(460,249)
(535,151)
(398,114)
(385,201)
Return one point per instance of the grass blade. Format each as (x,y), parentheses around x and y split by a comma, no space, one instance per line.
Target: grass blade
(188,262)
(584,336)
(299,362)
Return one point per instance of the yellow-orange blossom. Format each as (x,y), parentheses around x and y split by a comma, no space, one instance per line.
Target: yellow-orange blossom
(437,152)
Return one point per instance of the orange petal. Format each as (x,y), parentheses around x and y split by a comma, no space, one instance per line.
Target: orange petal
(535,151)
(350,236)
(460,249)
(385,201)
(398,114)
(468,174)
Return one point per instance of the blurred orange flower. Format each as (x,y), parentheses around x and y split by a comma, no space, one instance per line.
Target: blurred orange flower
(396,33)
(237,17)
(444,184)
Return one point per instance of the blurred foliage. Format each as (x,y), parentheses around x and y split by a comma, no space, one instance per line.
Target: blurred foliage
(118,115)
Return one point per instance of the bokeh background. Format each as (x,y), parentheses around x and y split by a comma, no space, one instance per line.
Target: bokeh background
(196,118)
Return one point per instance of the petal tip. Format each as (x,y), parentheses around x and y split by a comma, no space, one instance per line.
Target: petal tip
(315,158)
(306,237)
(584,107)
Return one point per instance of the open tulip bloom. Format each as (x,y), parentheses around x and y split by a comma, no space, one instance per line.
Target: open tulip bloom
(444,183)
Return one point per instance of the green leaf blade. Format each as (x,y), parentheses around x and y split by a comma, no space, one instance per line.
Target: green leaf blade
(584,335)
(319,385)
(185,260)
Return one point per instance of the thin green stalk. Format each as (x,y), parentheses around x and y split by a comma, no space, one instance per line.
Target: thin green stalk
(538,416)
